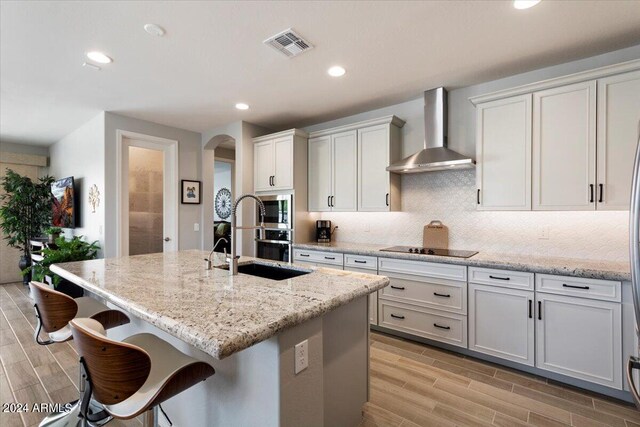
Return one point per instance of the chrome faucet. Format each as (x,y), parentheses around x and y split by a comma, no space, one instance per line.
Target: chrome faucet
(233,259)
(208,260)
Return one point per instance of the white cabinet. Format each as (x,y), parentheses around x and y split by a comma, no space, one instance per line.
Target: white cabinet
(501,322)
(273,160)
(580,338)
(378,147)
(503,152)
(618,119)
(373,298)
(347,167)
(320,177)
(333,173)
(564,147)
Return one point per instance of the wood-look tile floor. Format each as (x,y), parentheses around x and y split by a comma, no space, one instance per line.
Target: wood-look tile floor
(417,385)
(411,384)
(32,373)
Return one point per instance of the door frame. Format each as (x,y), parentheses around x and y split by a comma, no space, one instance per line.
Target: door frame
(170,201)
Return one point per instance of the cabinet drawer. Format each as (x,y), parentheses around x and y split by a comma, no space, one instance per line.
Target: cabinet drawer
(440,294)
(333,258)
(419,268)
(505,278)
(586,288)
(360,261)
(432,324)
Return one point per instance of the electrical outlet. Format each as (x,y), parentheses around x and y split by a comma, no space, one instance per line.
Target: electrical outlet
(301,356)
(196,226)
(544,233)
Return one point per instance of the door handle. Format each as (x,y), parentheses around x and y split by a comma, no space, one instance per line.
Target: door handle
(329,201)
(332,205)
(386,199)
(601,198)
(591,192)
(478,197)
(167,239)
(539,310)
(441,327)
(530,307)
(442,295)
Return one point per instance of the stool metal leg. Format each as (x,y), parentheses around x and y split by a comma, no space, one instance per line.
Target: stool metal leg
(150,418)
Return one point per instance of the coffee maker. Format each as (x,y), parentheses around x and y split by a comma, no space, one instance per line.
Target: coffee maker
(323,231)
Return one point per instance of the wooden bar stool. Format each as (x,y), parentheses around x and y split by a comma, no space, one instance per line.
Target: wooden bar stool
(54,310)
(133,376)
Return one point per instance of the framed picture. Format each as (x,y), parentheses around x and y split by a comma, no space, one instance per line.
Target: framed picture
(191,192)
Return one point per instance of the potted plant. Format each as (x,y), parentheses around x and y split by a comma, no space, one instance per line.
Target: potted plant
(25,210)
(53,233)
(75,249)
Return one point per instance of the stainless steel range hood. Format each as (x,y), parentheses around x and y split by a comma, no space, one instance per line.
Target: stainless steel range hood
(435,156)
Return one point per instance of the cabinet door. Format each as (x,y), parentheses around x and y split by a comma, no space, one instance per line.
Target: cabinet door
(580,338)
(618,120)
(373,159)
(320,163)
(501,323)
(345,173)
(564,148)
(283,164)
(262,165)
(373,298)
(503,150)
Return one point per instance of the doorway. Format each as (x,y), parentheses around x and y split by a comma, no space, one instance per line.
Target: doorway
(148,195)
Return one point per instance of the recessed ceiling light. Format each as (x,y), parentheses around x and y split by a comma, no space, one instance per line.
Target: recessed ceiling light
(154,30)
(336,71)
(242,106)
(525,4)
(99,57)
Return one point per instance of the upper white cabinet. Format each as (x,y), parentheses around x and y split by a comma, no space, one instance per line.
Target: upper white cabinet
(564,148)
(618,127)
(347,167)
(561,144)
(503,151)
(333,172)
(274,157)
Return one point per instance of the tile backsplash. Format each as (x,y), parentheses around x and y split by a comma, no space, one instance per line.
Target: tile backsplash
(450,196)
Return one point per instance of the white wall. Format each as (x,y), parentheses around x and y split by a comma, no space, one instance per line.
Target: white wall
(449,196)
(189,165)
(81,155)
(221,179)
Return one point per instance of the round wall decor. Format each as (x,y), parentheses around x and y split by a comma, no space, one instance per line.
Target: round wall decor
(223,203)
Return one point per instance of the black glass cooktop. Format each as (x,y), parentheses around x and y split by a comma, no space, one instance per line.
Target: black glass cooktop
(428,251)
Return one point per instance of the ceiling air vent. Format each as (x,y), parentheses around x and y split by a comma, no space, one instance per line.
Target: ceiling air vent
(288,43)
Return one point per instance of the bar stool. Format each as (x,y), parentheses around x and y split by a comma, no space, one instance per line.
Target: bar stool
(54,310)
(132,376)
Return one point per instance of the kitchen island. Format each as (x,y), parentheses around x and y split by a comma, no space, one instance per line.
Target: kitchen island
(247,328)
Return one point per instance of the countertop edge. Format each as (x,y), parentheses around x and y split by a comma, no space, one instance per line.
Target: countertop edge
(471,262)
(222,349)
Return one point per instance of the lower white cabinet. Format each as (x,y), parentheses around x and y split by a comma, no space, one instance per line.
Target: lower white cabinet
(373,298)
(579,337)
(501,322)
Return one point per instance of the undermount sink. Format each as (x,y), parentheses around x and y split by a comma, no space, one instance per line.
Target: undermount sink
(267,271)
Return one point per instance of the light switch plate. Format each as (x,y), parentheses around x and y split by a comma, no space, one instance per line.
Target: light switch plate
(301,356)
(196,226)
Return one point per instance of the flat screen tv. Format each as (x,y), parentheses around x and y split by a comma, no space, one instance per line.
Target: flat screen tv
(64,209)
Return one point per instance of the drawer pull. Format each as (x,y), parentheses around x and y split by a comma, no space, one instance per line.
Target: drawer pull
(539,310)
(441,327)
(305,255)
(329,257)
(400,288)
(359,262)
(442,295)
(395,316)
(530,314)
(564,285)
(499,278)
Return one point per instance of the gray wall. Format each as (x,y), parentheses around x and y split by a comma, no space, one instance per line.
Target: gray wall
(190,167)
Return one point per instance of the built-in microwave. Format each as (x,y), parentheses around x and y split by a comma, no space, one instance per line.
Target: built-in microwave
(278,222)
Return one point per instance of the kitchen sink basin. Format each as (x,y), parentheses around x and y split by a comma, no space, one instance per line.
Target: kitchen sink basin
(268,271)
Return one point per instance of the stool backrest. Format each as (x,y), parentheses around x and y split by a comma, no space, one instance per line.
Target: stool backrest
(54,308)
(116,369)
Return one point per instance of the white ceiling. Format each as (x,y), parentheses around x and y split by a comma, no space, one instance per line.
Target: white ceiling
(212,57)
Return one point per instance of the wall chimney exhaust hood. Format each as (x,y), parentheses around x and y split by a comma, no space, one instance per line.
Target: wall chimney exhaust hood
(435,156)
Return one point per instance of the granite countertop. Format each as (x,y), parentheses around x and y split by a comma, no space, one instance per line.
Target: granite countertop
(593,269)
(209,309)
